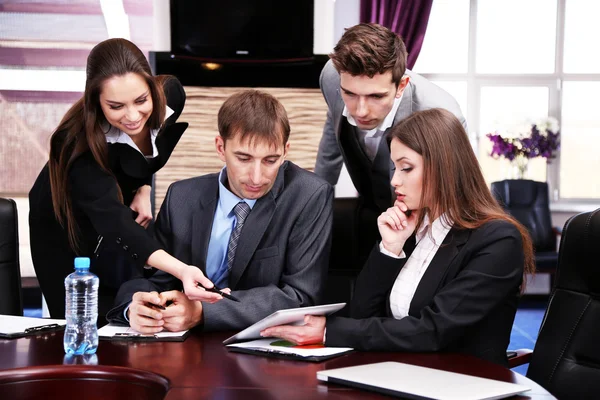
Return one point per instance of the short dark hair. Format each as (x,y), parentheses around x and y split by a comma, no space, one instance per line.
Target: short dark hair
(370,49)
(256,115)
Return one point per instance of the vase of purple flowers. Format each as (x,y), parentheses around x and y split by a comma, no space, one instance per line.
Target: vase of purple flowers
(542,140)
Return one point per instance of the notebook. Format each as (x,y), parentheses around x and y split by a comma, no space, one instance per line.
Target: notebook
(283,349)
(415,382)
(14,327)
(120,332)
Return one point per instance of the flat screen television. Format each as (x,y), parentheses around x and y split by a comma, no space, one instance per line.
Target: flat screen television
(242,29)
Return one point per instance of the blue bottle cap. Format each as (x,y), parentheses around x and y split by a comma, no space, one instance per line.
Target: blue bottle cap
(82,262)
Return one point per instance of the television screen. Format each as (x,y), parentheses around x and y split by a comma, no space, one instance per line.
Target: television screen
(242,29)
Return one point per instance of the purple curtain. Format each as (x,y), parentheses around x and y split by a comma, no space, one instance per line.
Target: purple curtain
(408,18)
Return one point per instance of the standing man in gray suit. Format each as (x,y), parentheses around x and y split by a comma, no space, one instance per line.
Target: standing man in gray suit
(261,227)
(368,90)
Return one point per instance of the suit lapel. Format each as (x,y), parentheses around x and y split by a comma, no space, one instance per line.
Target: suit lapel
(134,163)
(406,105)
(405,109)
(437,269)
(202,220)
(254,228)
(131,161)
(339,109)
(167,138)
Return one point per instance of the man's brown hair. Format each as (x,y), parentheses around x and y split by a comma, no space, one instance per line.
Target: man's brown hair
(256,115)
(370,49)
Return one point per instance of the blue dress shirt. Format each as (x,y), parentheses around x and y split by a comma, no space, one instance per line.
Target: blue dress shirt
(224,222)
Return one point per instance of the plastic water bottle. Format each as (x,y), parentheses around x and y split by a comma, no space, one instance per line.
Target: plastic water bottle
(81,309)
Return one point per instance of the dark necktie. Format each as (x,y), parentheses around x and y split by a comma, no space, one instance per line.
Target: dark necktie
(241,211)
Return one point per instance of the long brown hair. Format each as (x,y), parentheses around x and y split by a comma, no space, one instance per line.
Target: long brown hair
(452,177)
(370,49)
(81,129)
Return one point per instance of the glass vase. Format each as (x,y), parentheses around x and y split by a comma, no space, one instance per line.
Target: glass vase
(520,166)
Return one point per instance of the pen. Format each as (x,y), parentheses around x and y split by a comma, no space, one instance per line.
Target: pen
(219,291)
(158,306)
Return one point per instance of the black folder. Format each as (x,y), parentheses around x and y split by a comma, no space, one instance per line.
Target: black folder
(12,327)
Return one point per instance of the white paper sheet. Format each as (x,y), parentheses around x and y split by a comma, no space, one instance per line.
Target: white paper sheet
(114,331)
(265,345)
(10,324)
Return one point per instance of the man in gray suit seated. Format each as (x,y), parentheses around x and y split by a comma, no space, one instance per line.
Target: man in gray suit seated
(260,228)
(368,90)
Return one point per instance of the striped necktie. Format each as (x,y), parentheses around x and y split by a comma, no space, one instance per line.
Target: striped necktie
(241,211)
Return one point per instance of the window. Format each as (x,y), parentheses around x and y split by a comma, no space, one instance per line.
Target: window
(515,36)
(509,63)
(447,38)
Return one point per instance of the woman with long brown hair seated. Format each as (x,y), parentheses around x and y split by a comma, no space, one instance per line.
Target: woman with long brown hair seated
(93,196)
(448,271)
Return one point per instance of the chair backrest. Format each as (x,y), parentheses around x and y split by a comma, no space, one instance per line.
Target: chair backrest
(343,259)
(11,300)
(528,201)
(566,357)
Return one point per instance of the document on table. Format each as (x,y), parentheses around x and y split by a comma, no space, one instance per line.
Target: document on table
(283,349)
(14,327)
(120,332)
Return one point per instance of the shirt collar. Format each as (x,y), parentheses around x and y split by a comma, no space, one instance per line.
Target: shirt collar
(386,123)
(441,224)
(115,135)
(228,200)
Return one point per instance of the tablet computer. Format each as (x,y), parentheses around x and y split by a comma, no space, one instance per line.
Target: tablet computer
(290,316)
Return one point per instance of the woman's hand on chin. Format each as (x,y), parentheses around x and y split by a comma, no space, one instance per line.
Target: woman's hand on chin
(396,225)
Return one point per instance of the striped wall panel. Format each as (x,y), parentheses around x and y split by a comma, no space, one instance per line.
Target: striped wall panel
(195,154)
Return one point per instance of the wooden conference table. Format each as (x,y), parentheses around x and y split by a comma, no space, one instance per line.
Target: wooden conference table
(200,367)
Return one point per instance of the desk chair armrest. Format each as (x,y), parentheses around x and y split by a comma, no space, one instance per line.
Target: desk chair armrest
(523,356)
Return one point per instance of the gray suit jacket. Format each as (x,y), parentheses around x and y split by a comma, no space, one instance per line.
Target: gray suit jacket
(282,255)
(420,94)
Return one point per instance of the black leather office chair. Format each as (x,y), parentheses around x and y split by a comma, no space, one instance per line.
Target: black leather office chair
(528,201)
(11,300)
(344,264)
(566,357)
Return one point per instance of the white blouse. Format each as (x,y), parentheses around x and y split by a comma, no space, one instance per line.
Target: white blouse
(429,238)
(115,135)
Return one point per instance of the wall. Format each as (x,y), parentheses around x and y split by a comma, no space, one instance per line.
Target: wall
(195,156)
(195,153)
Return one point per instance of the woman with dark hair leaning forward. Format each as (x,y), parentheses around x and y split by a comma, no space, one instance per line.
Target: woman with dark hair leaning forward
(93,195)
(448,271)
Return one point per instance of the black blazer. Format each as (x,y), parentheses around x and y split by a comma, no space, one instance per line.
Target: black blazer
(465,302)
(98,211)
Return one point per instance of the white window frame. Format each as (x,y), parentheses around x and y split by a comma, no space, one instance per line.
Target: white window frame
(475,82)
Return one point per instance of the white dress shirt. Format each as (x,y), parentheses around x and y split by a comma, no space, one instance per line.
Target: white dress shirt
(429,238)
(115,135)
(370,139)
